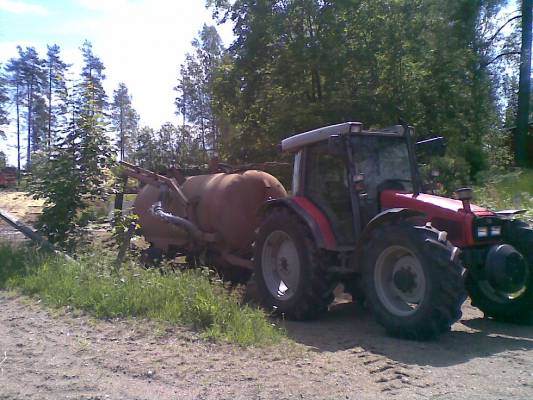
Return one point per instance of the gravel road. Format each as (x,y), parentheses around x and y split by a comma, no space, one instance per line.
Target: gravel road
(345,355)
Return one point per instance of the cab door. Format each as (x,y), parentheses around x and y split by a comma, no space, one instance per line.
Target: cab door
(326,182)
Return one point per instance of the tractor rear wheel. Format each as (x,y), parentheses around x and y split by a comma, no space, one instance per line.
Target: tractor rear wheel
(413,280)
(290,277)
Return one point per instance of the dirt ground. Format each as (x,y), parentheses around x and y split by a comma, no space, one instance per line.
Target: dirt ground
(57,354)
(345,355)
(20,205)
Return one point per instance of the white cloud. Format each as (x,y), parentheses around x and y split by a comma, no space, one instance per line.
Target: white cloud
(19,7)
(142,44)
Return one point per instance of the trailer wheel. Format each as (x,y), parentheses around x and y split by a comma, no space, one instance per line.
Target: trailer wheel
(290,278)
(413,282)
(152,257)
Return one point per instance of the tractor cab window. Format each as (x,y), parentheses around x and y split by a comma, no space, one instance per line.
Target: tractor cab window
(384,162)
(326,184)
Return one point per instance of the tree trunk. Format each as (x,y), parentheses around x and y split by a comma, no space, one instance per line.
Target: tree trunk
(522,158)
(29,121)
(17,101)
(49,139)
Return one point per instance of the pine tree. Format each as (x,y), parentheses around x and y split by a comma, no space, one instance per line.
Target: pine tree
(56,92)
(125,121)
(77,170)
(33,78)
(4,103)
(92,76)
(145,150)
(195,87)
(16,88)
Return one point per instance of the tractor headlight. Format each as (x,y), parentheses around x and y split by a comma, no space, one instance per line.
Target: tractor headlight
(495,230)
(482,231)
(487,228)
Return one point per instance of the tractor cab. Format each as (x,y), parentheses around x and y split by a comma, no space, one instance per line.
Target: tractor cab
(343,170)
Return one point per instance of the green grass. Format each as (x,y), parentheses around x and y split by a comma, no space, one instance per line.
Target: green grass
(187,298)
(513,190)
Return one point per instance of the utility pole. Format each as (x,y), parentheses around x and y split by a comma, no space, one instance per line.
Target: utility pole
(522,158)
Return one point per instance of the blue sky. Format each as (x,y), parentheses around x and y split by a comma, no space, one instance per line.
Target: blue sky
(141,43)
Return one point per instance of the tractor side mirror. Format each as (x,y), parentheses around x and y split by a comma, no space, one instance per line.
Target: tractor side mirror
(432,147)
(336,146)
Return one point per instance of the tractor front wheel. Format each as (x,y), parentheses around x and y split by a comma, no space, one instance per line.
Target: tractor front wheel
(504,292)
(413,280)
(290,278)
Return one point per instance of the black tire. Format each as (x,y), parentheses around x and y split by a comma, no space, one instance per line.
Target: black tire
(421,267)
(152,257)
(233,274)
(519,309)
(311,290)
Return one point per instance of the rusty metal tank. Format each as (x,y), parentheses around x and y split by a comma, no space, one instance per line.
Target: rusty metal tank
(224,205)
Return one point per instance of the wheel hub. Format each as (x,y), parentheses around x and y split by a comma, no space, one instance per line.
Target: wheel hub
(280,265)
(404,280)
(506,271)
(399,280)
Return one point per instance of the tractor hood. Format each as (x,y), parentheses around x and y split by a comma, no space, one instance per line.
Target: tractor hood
(444,214)
(429,204)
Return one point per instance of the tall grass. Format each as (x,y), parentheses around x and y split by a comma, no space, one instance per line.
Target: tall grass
(513,190)
(91,284)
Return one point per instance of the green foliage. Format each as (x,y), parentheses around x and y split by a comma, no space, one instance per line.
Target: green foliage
(75,172)
(300,64)
(56,93)
(453,173)
(194,99)
(510,190)
(125,121)
(91,284)
(122,223)
(3,160)
(4,102)
(169,146)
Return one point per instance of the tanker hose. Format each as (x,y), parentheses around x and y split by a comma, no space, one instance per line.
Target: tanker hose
(188,226)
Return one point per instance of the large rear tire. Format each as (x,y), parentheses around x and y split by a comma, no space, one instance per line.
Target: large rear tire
(290,277)
(412,280)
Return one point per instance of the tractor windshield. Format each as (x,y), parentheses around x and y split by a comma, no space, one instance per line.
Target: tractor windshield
(384,162)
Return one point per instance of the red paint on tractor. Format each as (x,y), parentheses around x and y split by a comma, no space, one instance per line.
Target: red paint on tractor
(444,213)
(321,220)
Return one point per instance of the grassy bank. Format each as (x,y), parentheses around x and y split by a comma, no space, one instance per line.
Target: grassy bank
(513,190)
(186,298)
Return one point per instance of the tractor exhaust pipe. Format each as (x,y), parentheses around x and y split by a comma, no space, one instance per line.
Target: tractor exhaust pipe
(465,195)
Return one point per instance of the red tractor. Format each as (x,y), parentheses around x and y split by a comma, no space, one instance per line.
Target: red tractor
(358,215)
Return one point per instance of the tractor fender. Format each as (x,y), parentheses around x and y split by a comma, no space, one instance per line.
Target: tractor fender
(388,216)
(311,216)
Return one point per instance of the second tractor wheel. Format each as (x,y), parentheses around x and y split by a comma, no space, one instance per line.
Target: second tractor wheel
(413,282)
(290,278)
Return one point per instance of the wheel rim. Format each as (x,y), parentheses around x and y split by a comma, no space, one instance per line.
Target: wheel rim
(280,265)
(501,296)
(399,281)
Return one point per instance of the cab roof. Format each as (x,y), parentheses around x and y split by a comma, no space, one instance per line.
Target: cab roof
(296,142)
